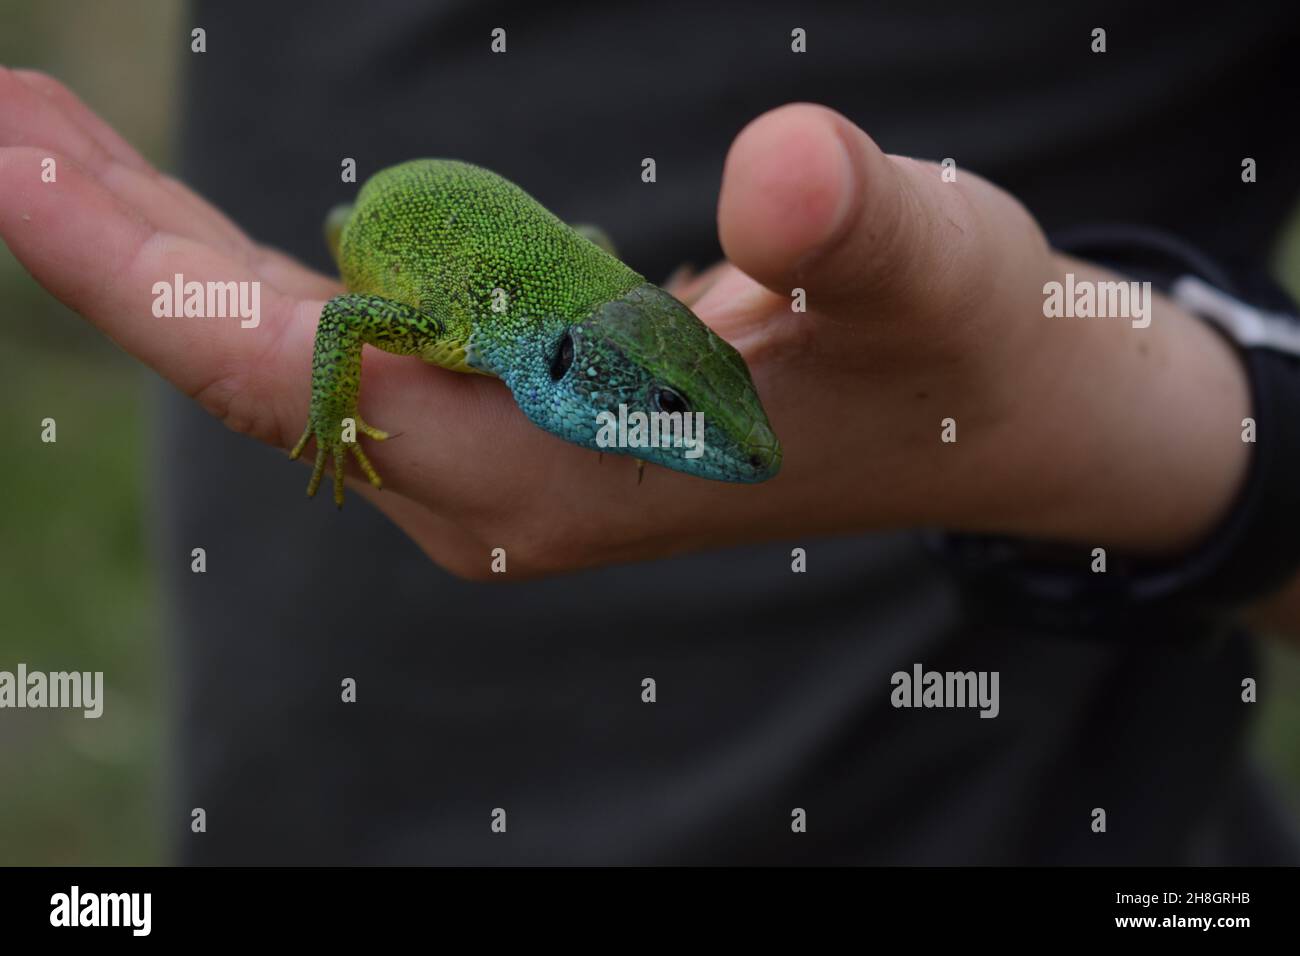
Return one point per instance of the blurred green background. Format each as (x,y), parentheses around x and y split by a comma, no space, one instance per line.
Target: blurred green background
(77,586)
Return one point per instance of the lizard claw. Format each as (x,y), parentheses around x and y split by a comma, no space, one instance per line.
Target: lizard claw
(330,443)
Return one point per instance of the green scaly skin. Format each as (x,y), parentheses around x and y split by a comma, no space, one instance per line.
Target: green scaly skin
(452,263)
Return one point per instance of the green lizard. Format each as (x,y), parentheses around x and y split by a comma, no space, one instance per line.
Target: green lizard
(452,263)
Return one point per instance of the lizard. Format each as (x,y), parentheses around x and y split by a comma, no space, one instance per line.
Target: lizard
(460,267)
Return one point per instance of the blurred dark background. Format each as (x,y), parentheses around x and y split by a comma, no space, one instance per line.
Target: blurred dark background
(77,581)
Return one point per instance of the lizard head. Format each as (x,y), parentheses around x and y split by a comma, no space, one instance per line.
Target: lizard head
(641,375)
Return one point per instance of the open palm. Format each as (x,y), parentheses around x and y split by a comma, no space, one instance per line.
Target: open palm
(924,306)
(464,473)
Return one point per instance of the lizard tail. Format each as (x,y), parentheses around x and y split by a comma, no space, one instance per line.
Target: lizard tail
(334,223)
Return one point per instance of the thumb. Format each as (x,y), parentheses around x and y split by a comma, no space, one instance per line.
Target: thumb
(808,200)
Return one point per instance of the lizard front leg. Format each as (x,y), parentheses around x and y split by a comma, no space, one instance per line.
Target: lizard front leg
(346,323)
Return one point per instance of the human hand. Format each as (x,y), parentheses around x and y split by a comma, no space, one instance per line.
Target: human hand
(924,302)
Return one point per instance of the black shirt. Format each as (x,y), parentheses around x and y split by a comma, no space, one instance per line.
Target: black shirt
(773,687)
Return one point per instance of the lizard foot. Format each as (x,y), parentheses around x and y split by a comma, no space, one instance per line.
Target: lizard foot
(331,443)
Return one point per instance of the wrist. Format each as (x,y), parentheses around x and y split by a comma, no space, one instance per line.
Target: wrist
(1128,430)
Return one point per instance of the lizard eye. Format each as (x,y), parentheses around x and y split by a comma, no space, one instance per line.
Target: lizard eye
(666,400)
(563,358)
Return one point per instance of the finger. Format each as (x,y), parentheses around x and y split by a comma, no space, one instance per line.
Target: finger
(728,304)
(32,118)
(291,277)
(692,286)
(102,258)
(678,279)
(809,201)
(37,110)
(84,118)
